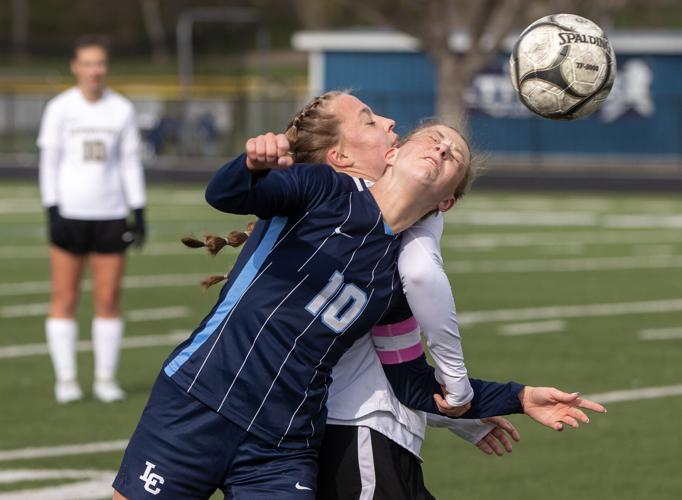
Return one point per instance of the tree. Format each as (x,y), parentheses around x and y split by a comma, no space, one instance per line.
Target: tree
(19,28)
(153,23)
(312,14)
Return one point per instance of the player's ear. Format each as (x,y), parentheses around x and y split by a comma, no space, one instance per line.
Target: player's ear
(390,156)
(337,159)
(446,205)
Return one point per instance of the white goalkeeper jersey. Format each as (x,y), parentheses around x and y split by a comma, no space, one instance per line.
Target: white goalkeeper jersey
(90,156)
(362,396)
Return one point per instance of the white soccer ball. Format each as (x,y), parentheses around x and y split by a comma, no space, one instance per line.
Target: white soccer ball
(562,67)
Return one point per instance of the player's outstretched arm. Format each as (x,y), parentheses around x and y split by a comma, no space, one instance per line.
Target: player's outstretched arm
(554,408)
(414,384)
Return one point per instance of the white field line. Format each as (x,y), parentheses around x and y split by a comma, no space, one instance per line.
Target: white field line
(565,219)
(158,313)
(20,206)
(525,203)
(24,310)
(12,476)
(566,265)
(93,485)
(62,451)
(32,205)
(661,334)
(24,252)
(534,327)
(574,311)
(40,309)
(496,240)
(644,221)
(25,350)
(636,394)
(140,281)
(524,218)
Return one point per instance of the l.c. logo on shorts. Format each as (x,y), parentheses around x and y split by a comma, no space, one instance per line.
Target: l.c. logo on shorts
(151,479)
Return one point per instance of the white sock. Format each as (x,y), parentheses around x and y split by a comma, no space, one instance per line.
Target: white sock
(107,335)
(62,334)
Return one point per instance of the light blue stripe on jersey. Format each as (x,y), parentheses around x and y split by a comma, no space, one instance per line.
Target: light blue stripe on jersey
(387,229)
(242,281)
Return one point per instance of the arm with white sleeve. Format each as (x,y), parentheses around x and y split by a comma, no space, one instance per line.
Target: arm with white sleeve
(49,142)
(132,175)
(132,172)
(430,298)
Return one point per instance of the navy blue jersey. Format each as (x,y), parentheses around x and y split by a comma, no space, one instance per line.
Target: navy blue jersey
(317,272)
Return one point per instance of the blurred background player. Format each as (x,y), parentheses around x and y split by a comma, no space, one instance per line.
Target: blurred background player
(90,177)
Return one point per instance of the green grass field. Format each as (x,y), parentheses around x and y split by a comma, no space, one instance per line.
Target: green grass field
(580,291)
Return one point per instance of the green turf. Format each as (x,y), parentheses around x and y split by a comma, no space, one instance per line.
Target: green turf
(631,453)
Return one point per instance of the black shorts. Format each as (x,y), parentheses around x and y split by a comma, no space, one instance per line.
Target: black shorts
(86,236)
(359,463)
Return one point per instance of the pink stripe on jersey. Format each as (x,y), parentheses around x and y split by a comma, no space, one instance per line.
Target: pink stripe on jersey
(399,334)
(400,356)
(401,328)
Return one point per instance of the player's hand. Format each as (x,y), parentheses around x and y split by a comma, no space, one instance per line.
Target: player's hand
(55,223)
(268,151)
(496,441)
(138,228)
(451,411)
(554,408)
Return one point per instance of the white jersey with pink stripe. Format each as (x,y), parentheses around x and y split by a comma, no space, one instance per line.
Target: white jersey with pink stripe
(361,395)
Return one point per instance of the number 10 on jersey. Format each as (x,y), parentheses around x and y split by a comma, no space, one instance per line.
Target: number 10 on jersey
(341,303)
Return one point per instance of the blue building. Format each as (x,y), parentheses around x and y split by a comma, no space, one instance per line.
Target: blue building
(640,121)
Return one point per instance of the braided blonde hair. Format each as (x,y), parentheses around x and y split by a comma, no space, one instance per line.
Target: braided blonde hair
(314,130)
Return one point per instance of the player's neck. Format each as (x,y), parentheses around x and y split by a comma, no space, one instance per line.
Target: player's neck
(91,95)
(355,171)
(399,207)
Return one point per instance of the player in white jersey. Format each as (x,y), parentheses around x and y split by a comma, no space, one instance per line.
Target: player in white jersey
(90,179)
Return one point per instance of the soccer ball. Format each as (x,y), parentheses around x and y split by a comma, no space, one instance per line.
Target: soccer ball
(562,67)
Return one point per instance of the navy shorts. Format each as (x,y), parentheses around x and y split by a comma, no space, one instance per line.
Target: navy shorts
(184,449)
(87,236)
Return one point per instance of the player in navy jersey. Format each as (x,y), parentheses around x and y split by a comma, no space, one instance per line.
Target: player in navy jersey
(239,406)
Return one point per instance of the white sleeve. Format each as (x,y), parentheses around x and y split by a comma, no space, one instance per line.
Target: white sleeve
(49,136)
(471,430)
(131,164)
(50,154)
(429,295)
(47,175)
